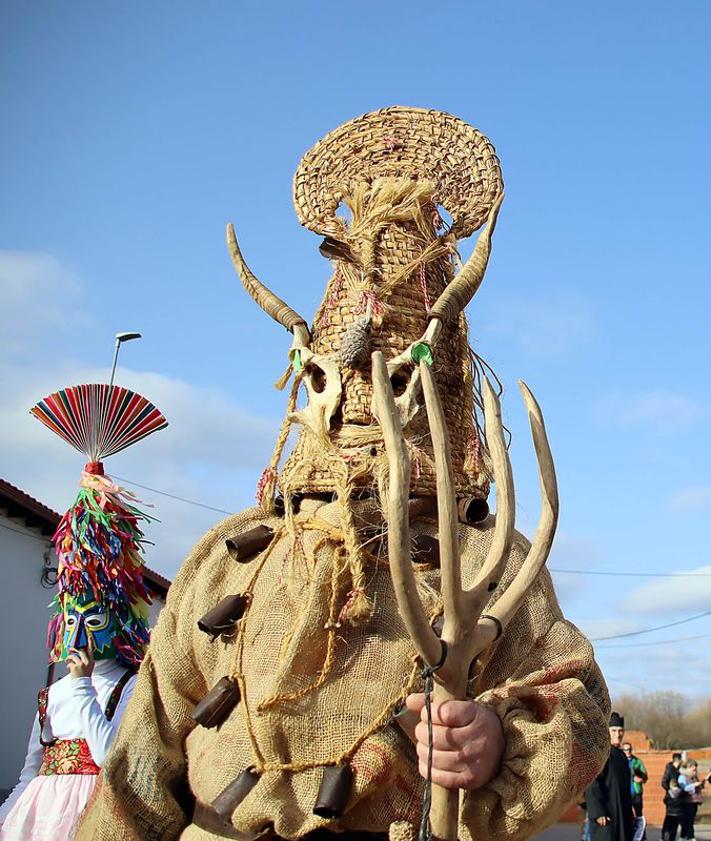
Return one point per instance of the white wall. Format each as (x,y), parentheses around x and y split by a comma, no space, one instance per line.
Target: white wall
(23,634)
(154,609)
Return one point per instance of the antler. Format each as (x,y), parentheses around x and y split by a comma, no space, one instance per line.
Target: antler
(267,300)
(464,286)
(466,631)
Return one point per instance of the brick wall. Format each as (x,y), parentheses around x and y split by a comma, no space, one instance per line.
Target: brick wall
(654,761)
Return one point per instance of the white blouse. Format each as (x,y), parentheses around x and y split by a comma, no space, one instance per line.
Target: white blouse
(75,710)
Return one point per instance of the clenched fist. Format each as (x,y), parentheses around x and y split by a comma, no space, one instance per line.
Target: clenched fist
(467,741)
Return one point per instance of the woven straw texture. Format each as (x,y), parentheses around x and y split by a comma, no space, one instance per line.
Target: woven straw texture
(403,321)
(400,142)
(392,168)
(540,678)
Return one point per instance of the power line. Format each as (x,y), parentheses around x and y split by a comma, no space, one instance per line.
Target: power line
(656,628)
(173,496)
(644,644)
(550,569)
(633,574)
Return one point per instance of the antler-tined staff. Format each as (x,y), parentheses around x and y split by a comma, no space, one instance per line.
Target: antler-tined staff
(467,631)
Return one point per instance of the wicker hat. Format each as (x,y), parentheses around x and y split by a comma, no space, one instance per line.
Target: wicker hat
(399,142)
(391,170)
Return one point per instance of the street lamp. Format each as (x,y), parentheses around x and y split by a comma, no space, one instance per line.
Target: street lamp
(120,339)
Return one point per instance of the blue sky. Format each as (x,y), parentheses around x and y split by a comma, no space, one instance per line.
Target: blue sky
(133,132)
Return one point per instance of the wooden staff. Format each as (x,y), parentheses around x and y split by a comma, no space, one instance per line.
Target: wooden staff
(467,631)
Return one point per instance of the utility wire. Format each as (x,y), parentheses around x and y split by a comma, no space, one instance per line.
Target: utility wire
(649,630)
(551,569)
(635,574)
(573,571)
(643,644)
(172,496)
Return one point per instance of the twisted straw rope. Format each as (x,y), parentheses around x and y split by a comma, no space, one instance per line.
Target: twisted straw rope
(237,671)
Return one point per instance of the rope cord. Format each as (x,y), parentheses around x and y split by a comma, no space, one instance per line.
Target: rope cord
(261,765)
(266,487)
(331,629)
(425,833)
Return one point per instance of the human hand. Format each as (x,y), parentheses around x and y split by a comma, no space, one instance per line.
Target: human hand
(603,821)
(467,741)
(639,779)
(80,662)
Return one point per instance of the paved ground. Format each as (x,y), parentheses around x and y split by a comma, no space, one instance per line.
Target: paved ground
(571,832)
(561,832)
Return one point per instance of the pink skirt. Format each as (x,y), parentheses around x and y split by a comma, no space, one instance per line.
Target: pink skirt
(48,808)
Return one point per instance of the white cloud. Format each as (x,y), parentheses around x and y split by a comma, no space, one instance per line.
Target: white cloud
(37,293)
(571,553)
(682,667)
(691,498)
(212,451)
(658,409)
(597,629)
(545,328)
(681,594)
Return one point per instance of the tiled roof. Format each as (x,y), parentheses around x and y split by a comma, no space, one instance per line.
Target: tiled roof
(35,513)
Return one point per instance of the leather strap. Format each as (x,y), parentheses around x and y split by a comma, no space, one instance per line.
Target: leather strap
(42,701)
(115,696)
(109,712)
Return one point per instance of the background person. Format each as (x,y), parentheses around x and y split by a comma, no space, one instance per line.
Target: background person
(609,798)
(99,623)
(672,798)
(639,777)
(73,729)
(691,786)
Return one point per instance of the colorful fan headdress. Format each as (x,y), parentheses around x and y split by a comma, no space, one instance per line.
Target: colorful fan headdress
(102,596)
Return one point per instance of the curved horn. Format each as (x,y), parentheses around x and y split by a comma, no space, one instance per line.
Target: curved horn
(468,280)
(267,300)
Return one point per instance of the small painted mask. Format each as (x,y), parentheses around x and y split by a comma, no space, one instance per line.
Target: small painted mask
(87,619)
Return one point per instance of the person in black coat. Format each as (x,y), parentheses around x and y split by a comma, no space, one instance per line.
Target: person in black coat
(609,798)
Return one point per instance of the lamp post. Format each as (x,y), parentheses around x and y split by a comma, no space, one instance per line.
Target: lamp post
(120,339)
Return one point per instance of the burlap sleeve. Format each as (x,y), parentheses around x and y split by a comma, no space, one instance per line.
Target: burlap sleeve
(553,704)
(142,792)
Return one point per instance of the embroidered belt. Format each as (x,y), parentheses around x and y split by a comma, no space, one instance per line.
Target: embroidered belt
(68,756)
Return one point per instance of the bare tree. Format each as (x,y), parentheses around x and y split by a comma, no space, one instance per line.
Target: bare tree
(661,715)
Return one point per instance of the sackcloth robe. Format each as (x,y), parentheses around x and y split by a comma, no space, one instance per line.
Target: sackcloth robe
(540,678)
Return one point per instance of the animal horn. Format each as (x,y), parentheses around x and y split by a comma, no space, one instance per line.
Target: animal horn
(267,300)
(468,280)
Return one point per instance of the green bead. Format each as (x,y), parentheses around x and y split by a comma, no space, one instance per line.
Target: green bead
(422,351)
(296,362)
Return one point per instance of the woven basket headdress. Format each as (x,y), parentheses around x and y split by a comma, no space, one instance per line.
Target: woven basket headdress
(374,188)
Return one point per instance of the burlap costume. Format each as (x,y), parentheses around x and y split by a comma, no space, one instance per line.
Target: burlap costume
(541,680)
(320,679)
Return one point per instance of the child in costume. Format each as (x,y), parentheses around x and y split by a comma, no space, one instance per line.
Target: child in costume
(99,626)
(288,685)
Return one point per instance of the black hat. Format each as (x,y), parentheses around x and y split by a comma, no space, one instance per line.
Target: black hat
(616,720)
